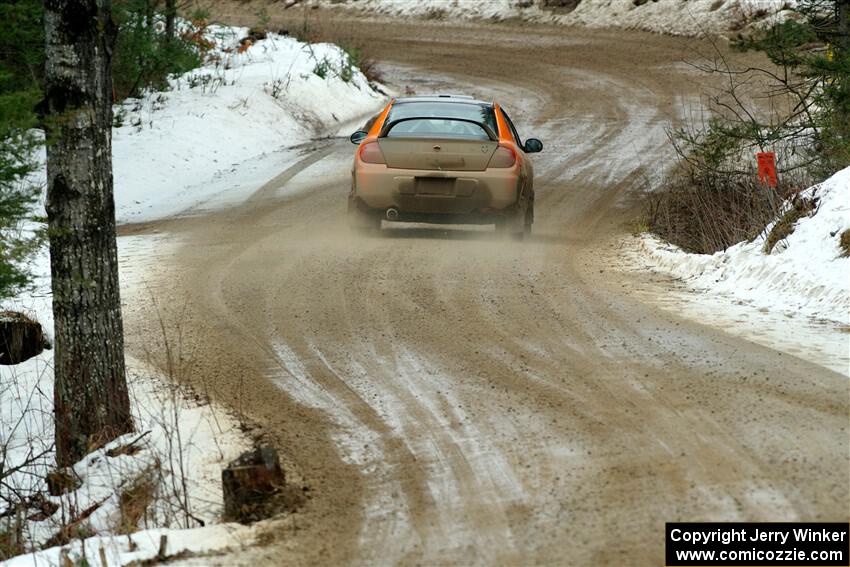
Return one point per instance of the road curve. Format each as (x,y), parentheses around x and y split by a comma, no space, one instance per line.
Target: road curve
(448,397)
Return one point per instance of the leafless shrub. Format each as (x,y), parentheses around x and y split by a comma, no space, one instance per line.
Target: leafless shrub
(26,453)
(788,105)
(175,502)
(176,364)
(12,541)
(709,212)
(714,199)
(135,499)
(369,68)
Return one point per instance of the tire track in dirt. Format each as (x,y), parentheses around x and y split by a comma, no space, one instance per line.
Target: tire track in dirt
(454,398)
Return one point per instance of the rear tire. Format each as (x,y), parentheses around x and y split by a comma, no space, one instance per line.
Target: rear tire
(517,225)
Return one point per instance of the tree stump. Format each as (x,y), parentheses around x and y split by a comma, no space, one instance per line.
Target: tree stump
(250,484)
(20,338)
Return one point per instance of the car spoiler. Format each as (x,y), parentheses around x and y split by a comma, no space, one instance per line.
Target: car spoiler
(390,125)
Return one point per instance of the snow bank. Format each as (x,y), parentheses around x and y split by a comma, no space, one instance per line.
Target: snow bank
(675,17)
(141,548)
(244,111)
(806,274)
(180,444)
(171,148)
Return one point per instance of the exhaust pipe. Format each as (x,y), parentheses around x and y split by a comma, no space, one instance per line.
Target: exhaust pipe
(392,214)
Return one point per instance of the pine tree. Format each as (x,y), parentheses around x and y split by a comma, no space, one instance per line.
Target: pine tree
(814,50)
(21,63)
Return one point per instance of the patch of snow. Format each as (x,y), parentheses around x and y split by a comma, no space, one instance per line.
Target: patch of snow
(182,445)
(222,130)
(674,17)
(805,275)
(177,148)
(139,547)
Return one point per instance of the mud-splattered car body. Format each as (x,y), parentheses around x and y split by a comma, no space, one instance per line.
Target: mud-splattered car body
(443,159)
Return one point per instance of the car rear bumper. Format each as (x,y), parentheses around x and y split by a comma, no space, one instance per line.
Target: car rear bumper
(430,196)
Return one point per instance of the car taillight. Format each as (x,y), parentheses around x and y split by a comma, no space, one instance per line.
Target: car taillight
(371,153)
(503,157)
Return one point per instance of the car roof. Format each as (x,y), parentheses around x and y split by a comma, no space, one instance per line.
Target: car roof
(442,98)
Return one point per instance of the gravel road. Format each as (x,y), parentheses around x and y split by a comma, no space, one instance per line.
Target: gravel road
(447,397)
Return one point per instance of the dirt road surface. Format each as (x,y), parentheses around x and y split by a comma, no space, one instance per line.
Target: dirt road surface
(447,397)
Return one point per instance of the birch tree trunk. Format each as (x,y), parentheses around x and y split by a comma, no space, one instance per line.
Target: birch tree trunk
(92,406)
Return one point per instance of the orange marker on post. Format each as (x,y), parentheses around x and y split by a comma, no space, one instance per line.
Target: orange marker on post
(767,167)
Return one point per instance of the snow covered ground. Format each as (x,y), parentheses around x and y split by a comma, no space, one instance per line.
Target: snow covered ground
(180,445)
(217,135)
(805,276)
(177,148)
(675,17)
(242,113)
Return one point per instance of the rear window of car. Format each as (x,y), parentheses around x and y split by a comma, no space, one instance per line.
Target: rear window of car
(436,110)
(437,128)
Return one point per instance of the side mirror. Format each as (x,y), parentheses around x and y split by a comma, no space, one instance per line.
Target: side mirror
(358,137)
(533,145)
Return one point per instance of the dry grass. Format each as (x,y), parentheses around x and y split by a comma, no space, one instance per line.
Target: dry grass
(135,499)
(784,227)
(369,68)
(844,243)
(62,481)
(11,539)
(706,213)
(559,6)
(77,528)
(435,14)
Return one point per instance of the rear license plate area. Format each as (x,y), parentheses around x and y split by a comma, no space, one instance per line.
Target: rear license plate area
(435,186)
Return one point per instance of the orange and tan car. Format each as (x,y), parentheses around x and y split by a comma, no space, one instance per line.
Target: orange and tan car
(443,159)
